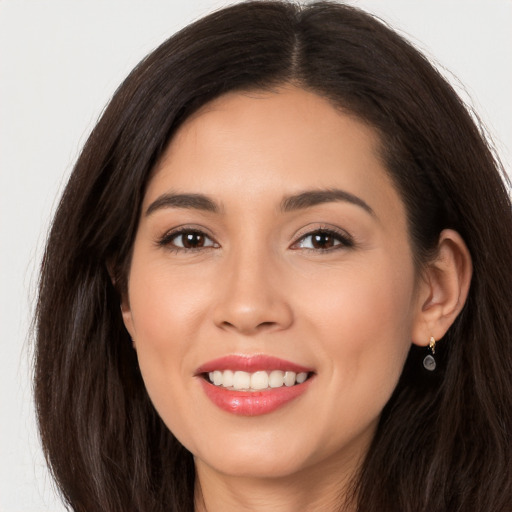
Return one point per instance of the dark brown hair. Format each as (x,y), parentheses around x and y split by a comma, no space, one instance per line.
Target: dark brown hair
(444,440)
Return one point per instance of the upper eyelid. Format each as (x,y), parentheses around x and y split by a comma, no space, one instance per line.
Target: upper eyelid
(326,228)
(184,228)
(297,237)
(170,234)
(345,239)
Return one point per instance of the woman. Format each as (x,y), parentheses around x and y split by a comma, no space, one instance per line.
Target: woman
(279,279)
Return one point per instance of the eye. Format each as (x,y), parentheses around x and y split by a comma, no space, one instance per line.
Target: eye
(323,240)
(187,239)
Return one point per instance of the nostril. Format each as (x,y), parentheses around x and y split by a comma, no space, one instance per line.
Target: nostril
(241,327)
(263,325)
(251,318)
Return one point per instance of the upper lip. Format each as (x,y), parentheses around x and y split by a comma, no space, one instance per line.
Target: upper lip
(250,364)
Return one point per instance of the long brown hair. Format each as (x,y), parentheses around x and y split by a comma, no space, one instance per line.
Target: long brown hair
(444,440)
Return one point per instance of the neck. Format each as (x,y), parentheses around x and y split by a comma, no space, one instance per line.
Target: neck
(325,489)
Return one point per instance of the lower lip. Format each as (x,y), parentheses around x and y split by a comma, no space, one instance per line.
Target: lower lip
(252,403)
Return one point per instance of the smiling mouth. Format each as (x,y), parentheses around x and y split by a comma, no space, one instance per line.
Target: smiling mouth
(253,385)
(256,381)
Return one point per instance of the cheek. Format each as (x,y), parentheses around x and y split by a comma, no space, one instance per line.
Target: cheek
(164,304)
(362,323)
(165,316)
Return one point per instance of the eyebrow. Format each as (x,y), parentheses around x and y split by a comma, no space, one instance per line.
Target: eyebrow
(187,201)
(311,198)
(291,203)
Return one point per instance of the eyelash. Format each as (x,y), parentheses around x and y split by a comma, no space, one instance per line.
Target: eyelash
(341,240)
(168,239)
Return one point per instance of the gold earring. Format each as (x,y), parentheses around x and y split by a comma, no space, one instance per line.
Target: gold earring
(429,362)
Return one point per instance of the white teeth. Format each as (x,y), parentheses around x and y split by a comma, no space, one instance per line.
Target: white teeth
(276,379)
(259,380)
(289,378)
(256,381)
(217,378)
(241,380)
(301,377)
(227,378)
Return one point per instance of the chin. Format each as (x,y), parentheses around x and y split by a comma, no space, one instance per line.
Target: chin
(263,454)
(257,465)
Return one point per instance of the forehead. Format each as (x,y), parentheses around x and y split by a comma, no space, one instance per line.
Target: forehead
(264,145)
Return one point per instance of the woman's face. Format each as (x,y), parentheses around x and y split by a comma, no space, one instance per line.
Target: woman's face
(272,248)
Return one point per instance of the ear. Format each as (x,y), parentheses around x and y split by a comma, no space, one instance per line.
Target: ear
(126,313)
(124,303)
(444,288)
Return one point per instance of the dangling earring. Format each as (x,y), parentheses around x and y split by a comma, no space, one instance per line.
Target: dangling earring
(429,362)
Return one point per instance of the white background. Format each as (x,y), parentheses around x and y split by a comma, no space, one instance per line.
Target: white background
(60,62)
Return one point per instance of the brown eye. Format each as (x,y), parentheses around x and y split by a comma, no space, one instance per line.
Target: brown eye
(192,240)
(323,240)
(189,239)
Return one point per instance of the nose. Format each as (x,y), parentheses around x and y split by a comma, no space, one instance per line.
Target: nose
(252,297)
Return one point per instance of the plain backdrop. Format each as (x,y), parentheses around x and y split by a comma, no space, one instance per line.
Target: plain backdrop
(60,62)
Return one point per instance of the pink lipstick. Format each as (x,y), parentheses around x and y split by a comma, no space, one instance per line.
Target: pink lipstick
(253,385)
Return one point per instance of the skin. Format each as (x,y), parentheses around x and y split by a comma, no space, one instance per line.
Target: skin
(255,284)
